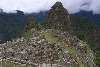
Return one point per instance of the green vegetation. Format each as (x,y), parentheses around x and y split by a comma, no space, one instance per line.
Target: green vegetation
(12,24)
(83,65)
(29,33)
(8,63)
(61,56)
(31,23)
(88,32)
(50,36)
(97,59)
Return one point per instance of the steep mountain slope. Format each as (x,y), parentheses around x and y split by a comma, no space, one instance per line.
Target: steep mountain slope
(51,43)
(90,16)
(12,24)
(58,17)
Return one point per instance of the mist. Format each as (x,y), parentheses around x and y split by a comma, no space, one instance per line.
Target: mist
(30,6)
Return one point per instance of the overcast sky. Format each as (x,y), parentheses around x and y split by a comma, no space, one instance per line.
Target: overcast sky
(30,6)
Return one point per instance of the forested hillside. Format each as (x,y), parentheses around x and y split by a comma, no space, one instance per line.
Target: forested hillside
(12,24)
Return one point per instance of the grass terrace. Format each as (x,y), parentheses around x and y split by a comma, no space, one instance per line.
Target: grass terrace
(52,39)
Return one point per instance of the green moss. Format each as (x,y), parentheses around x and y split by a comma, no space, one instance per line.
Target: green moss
(52,39)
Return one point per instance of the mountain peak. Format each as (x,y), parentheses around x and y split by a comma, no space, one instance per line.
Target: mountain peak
(58,18)
(57,5)
(20,12)
(1,10)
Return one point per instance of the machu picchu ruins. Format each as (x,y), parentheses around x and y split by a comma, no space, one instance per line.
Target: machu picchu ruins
(50,43)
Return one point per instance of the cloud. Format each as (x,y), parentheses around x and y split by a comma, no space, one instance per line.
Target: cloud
(30,6)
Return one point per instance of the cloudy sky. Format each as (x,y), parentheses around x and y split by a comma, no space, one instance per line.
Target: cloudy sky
(30,6)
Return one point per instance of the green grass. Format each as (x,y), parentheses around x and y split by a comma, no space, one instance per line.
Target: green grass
(0,49)
(83,65)
(8,63)
(52,39)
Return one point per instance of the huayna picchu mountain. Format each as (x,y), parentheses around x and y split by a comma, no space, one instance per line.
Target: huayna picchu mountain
(58,18)
(50,43)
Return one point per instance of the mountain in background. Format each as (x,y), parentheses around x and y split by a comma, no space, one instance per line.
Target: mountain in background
(90,16)
(12,24)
